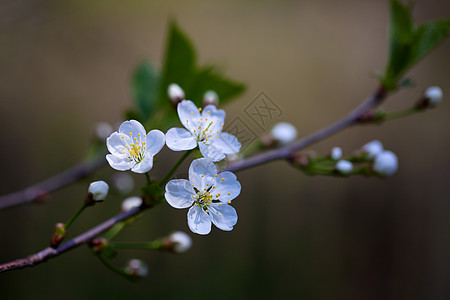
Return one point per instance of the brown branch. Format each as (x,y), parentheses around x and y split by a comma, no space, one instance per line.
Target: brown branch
(42,189)
(83,238)
(280,153)
(286,151)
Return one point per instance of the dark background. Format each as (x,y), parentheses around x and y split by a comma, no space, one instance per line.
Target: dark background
(65,65)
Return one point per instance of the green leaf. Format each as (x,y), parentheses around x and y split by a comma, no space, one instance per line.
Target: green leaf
(427,37)
(401,37)
(409,43)
(144,85)
(179,63)
(180,66)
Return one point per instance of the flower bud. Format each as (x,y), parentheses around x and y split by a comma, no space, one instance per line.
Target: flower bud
(210,98)
(434,95)
(99,190)
(130,203)
(175,93)
(178,242)
(336,153)
(136,267)
(344,167)
(58,235)
(103,130)
(385,163)
(373,148)
(284,133)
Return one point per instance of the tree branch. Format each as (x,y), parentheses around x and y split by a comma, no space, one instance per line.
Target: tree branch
(284,152)
(280,153)
(35,192)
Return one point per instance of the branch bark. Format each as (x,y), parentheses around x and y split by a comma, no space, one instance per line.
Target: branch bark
(35,192)
(280,153)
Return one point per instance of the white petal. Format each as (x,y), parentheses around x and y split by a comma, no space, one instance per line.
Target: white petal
(211,152)
(189,114)
(223,216)
(179,193)
(202,172)
(226,183)
(116,143)
(118,163)
(179,139)
(145,165)
(198,220)
(217,116)
(227,143)
(155,141)
(133,127)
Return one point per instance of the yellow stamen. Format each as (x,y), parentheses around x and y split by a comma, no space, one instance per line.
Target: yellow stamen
(229,202)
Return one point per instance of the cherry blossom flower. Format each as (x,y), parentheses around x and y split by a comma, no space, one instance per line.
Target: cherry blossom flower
(208,194)
(203,128)
(385,163)
(131,148)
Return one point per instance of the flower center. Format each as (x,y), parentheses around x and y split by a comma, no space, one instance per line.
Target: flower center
(136,149)
(204,200)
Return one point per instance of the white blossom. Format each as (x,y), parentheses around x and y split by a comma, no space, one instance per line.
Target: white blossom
(208,194)
(336,153)
(344,167)
(284,133)
(99,190)
(373,148)
(385,163)
(130,203)
(203,128)
(433,94)
(131,148)
(136,267)
(175,92)
(182,242)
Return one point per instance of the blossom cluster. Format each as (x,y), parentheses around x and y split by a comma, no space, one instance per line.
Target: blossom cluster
(208,193)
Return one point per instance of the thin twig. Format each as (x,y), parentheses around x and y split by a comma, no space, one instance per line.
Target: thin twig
(284,152)
(42,189)
(280,153)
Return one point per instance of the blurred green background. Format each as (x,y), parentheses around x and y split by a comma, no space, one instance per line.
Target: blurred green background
(66,65)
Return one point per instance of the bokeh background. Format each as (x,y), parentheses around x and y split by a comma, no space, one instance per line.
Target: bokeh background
(66,65)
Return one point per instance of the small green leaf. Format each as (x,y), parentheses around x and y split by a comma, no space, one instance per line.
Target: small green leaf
(409,43)
(144,84)
(427,37)
(180,66)
(179,63)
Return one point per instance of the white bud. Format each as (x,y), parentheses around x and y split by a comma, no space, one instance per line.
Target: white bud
(137,267)
(284,133)
(210,98)
(130,203)
(103,130)
(99,190)
(124,182)
(433,94)
(344,167)
(373,148)
(175,92)
(385,163)
(336,153)
(182,242)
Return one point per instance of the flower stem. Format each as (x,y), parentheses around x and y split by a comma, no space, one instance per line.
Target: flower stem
(156,244)
(112,267)
(75,216)
(115,230)
(148,178)
(174,168)
(401,113)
